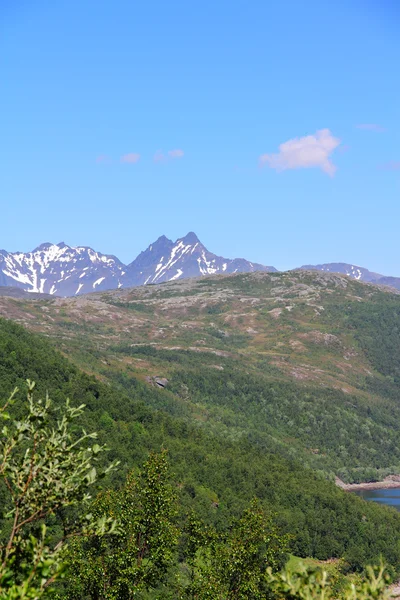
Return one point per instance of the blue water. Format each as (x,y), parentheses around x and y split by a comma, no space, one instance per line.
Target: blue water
(389,497)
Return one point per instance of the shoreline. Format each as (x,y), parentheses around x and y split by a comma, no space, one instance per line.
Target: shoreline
(390,482)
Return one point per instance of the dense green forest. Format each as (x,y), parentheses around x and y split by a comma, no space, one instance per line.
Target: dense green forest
(213,475)
(269,411)
(135,542)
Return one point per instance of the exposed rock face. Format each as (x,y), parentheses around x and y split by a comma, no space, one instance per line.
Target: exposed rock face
(160,382)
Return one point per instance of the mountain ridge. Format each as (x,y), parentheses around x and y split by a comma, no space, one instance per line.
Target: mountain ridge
(355,272)
(63,270)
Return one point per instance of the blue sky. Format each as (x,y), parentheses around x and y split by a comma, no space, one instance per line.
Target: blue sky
(271,129)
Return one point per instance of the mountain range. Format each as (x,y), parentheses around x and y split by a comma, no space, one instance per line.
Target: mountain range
(62,270)
(355,272)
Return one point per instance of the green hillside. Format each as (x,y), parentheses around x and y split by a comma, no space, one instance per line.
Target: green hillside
(223,416)
(305,364)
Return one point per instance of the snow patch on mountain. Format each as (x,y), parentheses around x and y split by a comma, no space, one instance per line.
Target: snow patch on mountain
(355,272)
(55,269)
(165,260)
(62,270)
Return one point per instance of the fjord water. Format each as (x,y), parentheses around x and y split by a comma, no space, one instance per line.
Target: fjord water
(390,497)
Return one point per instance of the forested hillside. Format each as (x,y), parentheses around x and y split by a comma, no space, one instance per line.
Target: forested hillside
(304,364)
(214,473)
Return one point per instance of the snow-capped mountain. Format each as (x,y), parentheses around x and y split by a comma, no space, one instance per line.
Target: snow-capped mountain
(355,272)
(351,270)
(187,257)
(62,270)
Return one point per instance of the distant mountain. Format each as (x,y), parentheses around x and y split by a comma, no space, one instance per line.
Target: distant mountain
(359,273)
(393,282)
(62,270)
(187,257)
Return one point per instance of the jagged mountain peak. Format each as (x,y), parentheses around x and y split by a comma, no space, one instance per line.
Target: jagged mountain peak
(59,269)
(43,247)
(190,238)
(63,270)
(162,240)
(187,257)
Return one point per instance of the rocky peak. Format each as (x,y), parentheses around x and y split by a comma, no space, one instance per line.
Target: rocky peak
(190,238)
(62,270)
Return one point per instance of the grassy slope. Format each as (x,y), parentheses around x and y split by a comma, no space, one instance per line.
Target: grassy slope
(303,363)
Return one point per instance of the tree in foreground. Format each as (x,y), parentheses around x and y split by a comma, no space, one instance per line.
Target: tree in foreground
(139,556)
(44,469)
(233,566)
(247,563)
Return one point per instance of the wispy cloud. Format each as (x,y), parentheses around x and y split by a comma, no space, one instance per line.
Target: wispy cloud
(103,158)
(304,153)
(160,156)
(131,158)
(176,153)
(371,127)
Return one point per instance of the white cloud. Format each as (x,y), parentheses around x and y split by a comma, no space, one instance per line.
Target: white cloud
(131,158)
(176,153)
(371,127)
(305,152)
(160,157)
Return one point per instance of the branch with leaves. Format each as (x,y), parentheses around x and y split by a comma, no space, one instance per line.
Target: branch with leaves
(44,468)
